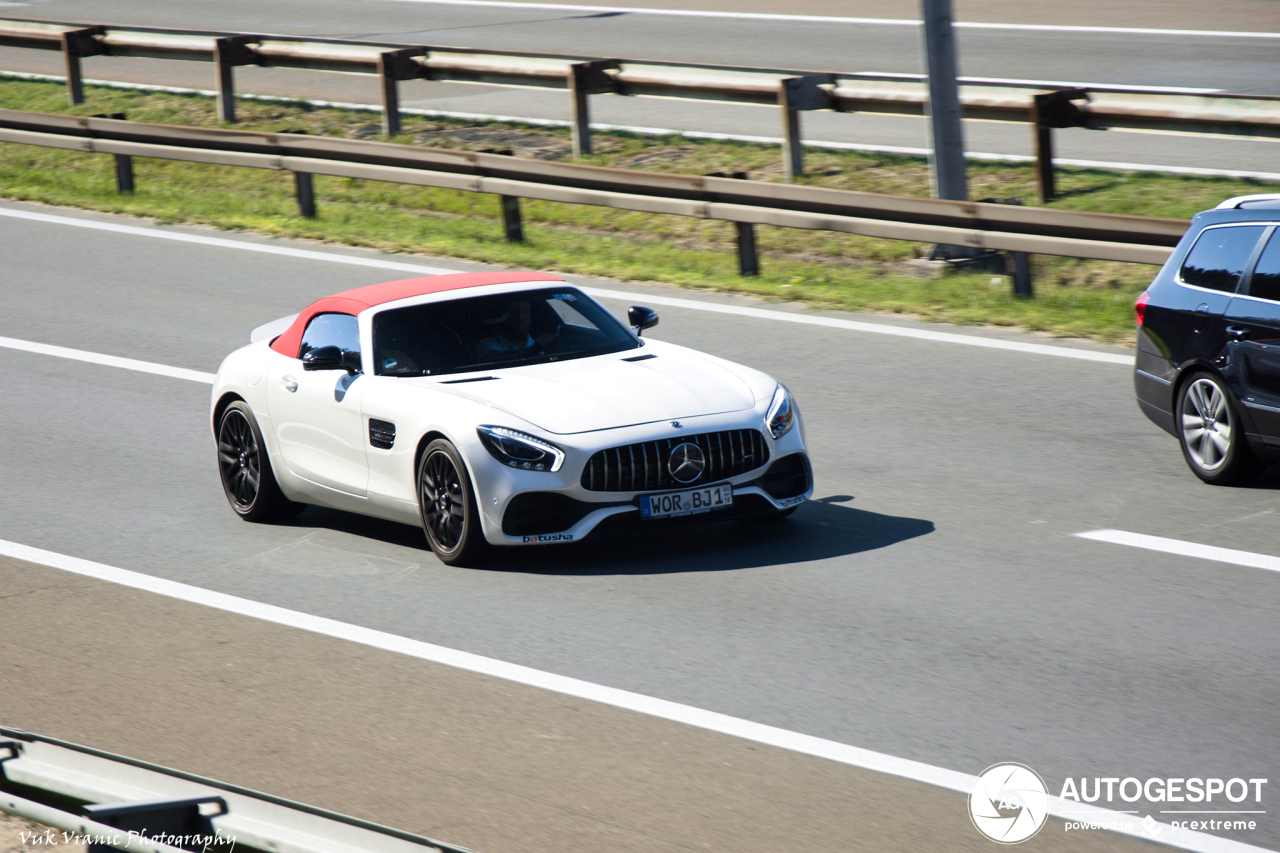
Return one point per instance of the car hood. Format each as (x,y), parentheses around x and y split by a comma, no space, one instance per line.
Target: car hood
(604,392)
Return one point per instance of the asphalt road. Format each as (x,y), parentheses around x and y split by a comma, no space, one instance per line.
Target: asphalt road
(1195,61)
(932,603)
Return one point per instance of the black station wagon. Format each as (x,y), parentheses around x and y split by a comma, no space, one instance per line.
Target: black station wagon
(1208,362)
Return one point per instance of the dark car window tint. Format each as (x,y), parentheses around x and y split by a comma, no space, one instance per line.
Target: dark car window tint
(1218,257)
(491,332)
(331,330)
(1265,283)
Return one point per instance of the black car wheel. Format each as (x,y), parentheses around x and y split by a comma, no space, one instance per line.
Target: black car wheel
(245,469)
(450,517)
(1211,433)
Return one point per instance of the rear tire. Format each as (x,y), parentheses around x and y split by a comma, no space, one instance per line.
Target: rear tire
(447,505)
(1211,433)
(245,468)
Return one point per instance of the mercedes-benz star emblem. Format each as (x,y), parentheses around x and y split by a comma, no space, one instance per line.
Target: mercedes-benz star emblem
(686,462)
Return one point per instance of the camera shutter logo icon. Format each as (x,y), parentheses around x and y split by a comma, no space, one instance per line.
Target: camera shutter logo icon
(1008,803)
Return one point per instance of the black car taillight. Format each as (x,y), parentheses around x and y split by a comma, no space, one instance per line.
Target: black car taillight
(1140,307)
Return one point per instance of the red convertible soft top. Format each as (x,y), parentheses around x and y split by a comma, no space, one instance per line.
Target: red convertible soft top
(355,301)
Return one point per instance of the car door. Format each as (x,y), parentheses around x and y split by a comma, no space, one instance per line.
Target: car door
(316,414)
(1212,269)
(1253,339)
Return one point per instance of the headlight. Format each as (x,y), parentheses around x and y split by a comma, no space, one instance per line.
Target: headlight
(519,449)
(782,414)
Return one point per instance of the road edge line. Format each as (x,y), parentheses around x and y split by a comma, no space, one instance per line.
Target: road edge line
(607,293)
(651,706)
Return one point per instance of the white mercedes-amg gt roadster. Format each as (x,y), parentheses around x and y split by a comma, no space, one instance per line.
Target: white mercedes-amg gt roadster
(498,409)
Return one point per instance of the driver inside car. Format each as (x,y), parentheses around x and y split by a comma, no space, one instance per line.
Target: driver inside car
(511,331)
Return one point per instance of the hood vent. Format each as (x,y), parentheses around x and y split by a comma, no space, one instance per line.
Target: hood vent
(382,434)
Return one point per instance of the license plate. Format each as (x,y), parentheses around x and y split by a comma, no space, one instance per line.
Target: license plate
(688,502)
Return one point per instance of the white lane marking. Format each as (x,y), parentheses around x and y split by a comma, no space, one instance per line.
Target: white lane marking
(833,19)
(1185,549)
(853,756)
(223,243)
(108,360)
(699,134)
(757,313)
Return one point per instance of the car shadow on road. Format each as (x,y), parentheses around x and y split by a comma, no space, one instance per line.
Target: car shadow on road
(819,530)
(1269,480)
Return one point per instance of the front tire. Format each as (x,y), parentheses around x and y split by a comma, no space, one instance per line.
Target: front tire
(245,469)
(447,504)
(1212,434)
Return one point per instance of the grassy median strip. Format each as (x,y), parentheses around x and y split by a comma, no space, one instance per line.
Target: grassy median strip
(1073,297)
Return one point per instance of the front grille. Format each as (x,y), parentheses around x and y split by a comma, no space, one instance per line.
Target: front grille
(382,434)
(643,466)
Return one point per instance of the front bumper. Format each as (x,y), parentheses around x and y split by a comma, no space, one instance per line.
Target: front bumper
(519,507)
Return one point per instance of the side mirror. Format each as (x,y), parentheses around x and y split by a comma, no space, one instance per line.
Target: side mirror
(641,318)
(351,362)
(323,358)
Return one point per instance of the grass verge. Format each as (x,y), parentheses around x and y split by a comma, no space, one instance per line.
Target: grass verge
(1079,298)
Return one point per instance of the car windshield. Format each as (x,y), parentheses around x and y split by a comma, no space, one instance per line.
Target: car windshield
(505,330)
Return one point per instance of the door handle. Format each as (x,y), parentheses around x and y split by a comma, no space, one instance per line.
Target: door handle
(290,384)
(1237,333)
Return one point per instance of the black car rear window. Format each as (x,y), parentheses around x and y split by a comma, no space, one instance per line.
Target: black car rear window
(1219,256)
(1265,282)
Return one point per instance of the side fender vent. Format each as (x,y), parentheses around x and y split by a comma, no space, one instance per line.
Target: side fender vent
(382,434)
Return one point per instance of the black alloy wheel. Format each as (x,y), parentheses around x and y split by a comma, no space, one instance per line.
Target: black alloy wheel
(1211,433)
(450,517)
(245,470)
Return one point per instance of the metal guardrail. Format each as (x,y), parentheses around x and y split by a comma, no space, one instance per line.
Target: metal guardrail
(1134,239)
(49,780)
(792,91)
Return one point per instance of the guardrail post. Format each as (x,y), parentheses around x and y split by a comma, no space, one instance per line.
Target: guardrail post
(1045,185)
(748,258)
(1022,275)
(581,110)
(124,162)
(227,54)
(390,88)
(124,174)
(1017,264)
(394,66)
(75,44)
(511,219)
(1048,111)
(792,150)
(796,94)
(306,194)
(586,79)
